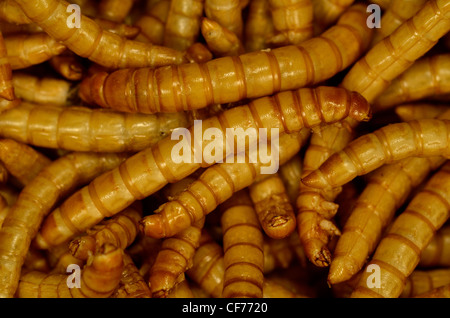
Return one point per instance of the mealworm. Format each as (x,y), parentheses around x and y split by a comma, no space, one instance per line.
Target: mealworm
(182,289)
(122,29)
(92,42)
(220,41)
(35,200)
(152,23)
(398,12)
(408,235)
(292,21)
(219,182)
(258,26)
(437,252)
(68,127)
(428,76)
(174,258)
(439,292)
(149,170)
(68,65)
(4,209)
(291,173)
(407,112)
(242,247)
(230,79)
(198,53)
(11,12)
(114,10)
(227,13)
(182,27)
(326,12)
(419,138)
(121,230)
(25,50)
(423,281)
(6,87)
(99,278)
(273,207)
(373,73)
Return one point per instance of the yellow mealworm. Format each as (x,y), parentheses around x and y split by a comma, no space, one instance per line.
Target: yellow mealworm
(385,192)
(35,200)
(407,112)
(42,90)
(278,253)
(68,65)
(273,289)
(220,41)
(428,76)
(291,173)
(152,168)
(242,247)
(122,29)
(326,12)
(25,50)
(419,138)
(398,12)
(407,236)
(373,73)
(182,289)
(292,21)
(227,13)
(258,26)
(120,231)
(182,27)
(231,79)
(437,252)
(68,127)
(439,292)
(11,12)
(421,281)
(4,209)
(63,259)
(21,160)
(132,284)
(152,23)
(92,42)
(208,266)
(198,53)
(6,86)
(174,258)
(98,279)
(219,182)
(114,10)
(273,207)
(315,207)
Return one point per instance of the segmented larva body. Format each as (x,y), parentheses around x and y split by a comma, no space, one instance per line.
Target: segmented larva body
(326,12)
(227,13)
(21,160)
(92,42)
(132,284)
(98,279)
(86,129)
(428,76)
(372,74)
(398,12)
(182,289)
(230,79)
(6,87)
(149,170)
(114,10)
(408,235)
(220,40)
(216,185)
(208,269)
(242,247)
(439,292)
(407,112)
(423,281)
(316,207)
(11,12)
(36,200)
(25,50)
(121,230)
(42,90)
(292,21)
(152,23)
(174,258)
(291,173)
(385,192)
(437,252)
(182,27)
(4,209)
(418,138)
(273,207)
(258,26)
(125,30)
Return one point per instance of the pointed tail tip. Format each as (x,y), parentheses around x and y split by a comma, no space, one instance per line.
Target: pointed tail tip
(315,179)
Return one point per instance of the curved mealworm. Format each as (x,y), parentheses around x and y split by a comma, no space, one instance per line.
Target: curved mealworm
(242,247)
(227,13)
(230,79)
(84,129)
(34,202)
(92,42)
(149,170)
(6,87)
(409,233)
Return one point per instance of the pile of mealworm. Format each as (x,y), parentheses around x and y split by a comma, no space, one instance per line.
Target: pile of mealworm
(96,97)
